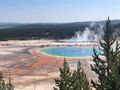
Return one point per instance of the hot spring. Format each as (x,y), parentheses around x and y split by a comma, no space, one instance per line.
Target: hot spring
(88,37)
(68,51)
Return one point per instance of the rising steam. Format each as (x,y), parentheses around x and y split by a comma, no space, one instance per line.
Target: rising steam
(88,34)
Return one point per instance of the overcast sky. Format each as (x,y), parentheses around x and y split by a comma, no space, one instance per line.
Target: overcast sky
(37,11)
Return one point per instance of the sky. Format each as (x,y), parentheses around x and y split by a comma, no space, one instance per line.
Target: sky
(50,11)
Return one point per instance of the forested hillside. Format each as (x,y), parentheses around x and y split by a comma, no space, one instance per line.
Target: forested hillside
(47,31)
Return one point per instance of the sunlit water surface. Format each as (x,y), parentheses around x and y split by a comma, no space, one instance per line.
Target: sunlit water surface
(69,51)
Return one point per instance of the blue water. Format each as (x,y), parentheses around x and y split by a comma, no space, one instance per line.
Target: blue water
(69,51)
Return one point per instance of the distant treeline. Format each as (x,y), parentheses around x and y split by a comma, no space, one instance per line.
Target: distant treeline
(44,31)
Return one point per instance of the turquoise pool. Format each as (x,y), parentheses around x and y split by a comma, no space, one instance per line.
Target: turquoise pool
(68,51)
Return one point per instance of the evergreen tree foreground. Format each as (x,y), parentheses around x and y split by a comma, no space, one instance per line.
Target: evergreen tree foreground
(108,69)
(4,85)
(71,81)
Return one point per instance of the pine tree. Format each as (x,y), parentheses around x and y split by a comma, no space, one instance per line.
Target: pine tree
(80,80)
(116,67)
(9,85)
(64,83)
(104,68)
(4,85)
(2,82)
(72,81)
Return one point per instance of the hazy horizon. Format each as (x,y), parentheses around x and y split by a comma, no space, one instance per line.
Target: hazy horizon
(58,11)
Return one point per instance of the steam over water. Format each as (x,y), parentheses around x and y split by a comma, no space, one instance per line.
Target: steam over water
(88,34)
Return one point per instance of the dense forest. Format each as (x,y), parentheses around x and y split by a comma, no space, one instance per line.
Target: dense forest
(47,31)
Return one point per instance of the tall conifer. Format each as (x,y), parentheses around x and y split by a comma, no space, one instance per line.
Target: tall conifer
(64,83)
(80,79)
(104,68)
(72,81)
